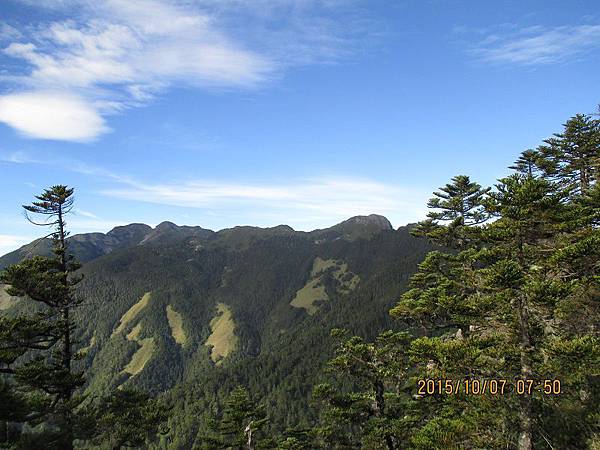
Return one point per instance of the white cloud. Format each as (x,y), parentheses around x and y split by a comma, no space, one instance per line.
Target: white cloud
(51,115)
(115,54)
(538,45)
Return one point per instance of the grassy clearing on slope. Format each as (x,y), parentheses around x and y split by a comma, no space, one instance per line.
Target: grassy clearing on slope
(314,291)
(309,295)
(222,339)
(176,324)
(133,312)
(135,332)
(141,357)
(321,265)
(6,301)
(348,282)
(347,279)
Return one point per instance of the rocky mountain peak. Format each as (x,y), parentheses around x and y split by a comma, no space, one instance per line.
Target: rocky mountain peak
(166,226)
(131,231)
(375,220)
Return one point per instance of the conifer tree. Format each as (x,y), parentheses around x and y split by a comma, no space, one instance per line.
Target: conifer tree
(369,404)
(37,354)
(241,425)
(528,163)
(459,205)
(126,418)
(19,404)
(507,304)
(573,156)
(48,282)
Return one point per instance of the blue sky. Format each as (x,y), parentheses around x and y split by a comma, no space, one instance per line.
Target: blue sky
(229,112)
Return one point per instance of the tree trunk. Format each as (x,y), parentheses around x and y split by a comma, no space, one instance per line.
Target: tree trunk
(380,411)
(3,431)
(250,441)
(525,411)
(67,351)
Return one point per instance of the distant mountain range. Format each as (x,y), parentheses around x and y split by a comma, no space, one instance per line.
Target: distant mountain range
(89,246)
(191,313)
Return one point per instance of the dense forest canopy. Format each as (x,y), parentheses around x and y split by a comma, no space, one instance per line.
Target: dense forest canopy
(476,328)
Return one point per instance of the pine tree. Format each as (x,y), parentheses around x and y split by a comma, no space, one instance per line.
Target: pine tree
(127,418)
(20,335)
(241,425)
(459,205)
(48,282)
(528,163)
(369,406)
(507,304)
(573,156)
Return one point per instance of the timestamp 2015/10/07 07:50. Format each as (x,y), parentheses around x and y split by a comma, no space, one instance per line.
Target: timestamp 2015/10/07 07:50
(493,386)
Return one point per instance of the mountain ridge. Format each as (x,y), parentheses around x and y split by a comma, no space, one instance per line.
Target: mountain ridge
(88,246)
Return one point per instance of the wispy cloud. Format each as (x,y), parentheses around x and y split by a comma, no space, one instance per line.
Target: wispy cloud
(305,202)
(117,54)
(81,212)
(536,45)
(18,157)
(8,32)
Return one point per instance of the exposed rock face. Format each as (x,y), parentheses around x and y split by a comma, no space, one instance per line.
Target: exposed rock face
(375,220)
(358,227)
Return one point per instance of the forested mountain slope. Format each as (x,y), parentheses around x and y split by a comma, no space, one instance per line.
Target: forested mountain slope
(194,313)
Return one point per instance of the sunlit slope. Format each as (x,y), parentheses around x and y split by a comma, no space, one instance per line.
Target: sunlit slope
(222,339)
(314,290)
(176,323)
(141,357)
(133,312)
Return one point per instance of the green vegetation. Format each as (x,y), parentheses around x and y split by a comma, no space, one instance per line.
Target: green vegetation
(87,348)
(504,302)
(321,265)
(42,406)
(49,282)
(339,269)
(128,418)
(241,424)
(134,333)
(497,283)
(141,357)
